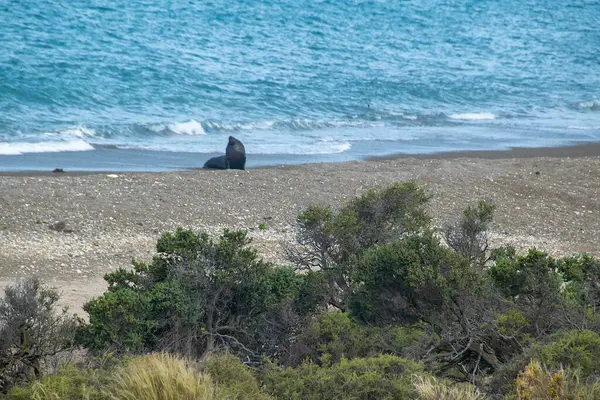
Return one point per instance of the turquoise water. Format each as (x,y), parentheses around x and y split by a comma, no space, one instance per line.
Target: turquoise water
(154,85)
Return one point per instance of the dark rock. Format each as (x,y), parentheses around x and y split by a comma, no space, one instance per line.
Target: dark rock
(57,170)
(60,226)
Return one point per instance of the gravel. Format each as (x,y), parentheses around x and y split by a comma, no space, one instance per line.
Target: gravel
(73,228)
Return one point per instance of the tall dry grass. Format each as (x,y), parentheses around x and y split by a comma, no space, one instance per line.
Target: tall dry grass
(537,382)
(160,376)
(430,388)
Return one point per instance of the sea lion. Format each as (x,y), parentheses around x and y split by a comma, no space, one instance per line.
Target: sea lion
(235,154)
(217,163)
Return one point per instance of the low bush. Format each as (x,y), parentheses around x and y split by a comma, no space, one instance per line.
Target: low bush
(330,240)
(574,350)
(538,382)
(234,380)
(383,377)
(336,335)
(32,331)
(469,234)
(157,376)
(69,383)
(532,282)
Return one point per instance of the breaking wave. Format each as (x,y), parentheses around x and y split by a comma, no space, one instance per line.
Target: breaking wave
(485,116)
(18,148)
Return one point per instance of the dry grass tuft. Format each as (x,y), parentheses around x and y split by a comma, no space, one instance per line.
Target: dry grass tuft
(161,376)
(430,388)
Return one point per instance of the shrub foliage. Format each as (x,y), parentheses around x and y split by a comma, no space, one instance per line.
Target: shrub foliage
(31,331)
(377,303)
(195,296)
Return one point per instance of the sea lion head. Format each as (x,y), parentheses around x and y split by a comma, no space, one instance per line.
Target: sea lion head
(235,153)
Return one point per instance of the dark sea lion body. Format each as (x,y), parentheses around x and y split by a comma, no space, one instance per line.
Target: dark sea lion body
(234,158)
(235,154)
(217,163)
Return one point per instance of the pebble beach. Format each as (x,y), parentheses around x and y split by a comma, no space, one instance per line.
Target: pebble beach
(71,228)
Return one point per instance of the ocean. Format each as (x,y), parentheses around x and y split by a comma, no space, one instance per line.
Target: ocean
(155,85)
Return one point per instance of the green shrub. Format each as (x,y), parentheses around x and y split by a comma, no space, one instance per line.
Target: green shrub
(581,291)
(383,377)
(575,350)
(538,382)
(335,335)
(32,331)
(312,293)
(532,282)
(402,281)
(233,379)
(468,236)
(514,324)
(70,383)
(330,241)
(196,295)
(124,320)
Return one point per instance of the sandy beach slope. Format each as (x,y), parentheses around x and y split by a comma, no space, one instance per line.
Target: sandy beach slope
(546,198)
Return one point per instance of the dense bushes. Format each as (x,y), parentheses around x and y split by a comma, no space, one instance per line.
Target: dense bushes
(577,351)
(376,303)
(196,295)
(537,382)
(234,380)
(331,241)
(335,335)
(69,383)
(157,376)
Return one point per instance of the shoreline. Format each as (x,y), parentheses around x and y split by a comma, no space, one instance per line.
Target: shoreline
(578,150)
(586,149)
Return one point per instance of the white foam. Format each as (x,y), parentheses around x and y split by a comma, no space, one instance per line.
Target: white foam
(473,116)
(17,148)
(590,105)
(76,131)
(301,148)
(174,147)
(157,128)
(583,128)
(260,125)
(321,147)
(290,124)
(192,127)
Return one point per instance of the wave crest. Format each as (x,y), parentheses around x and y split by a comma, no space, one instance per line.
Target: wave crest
(76,131)
(484,116)
(191,127)
(18,148)
(593,105)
